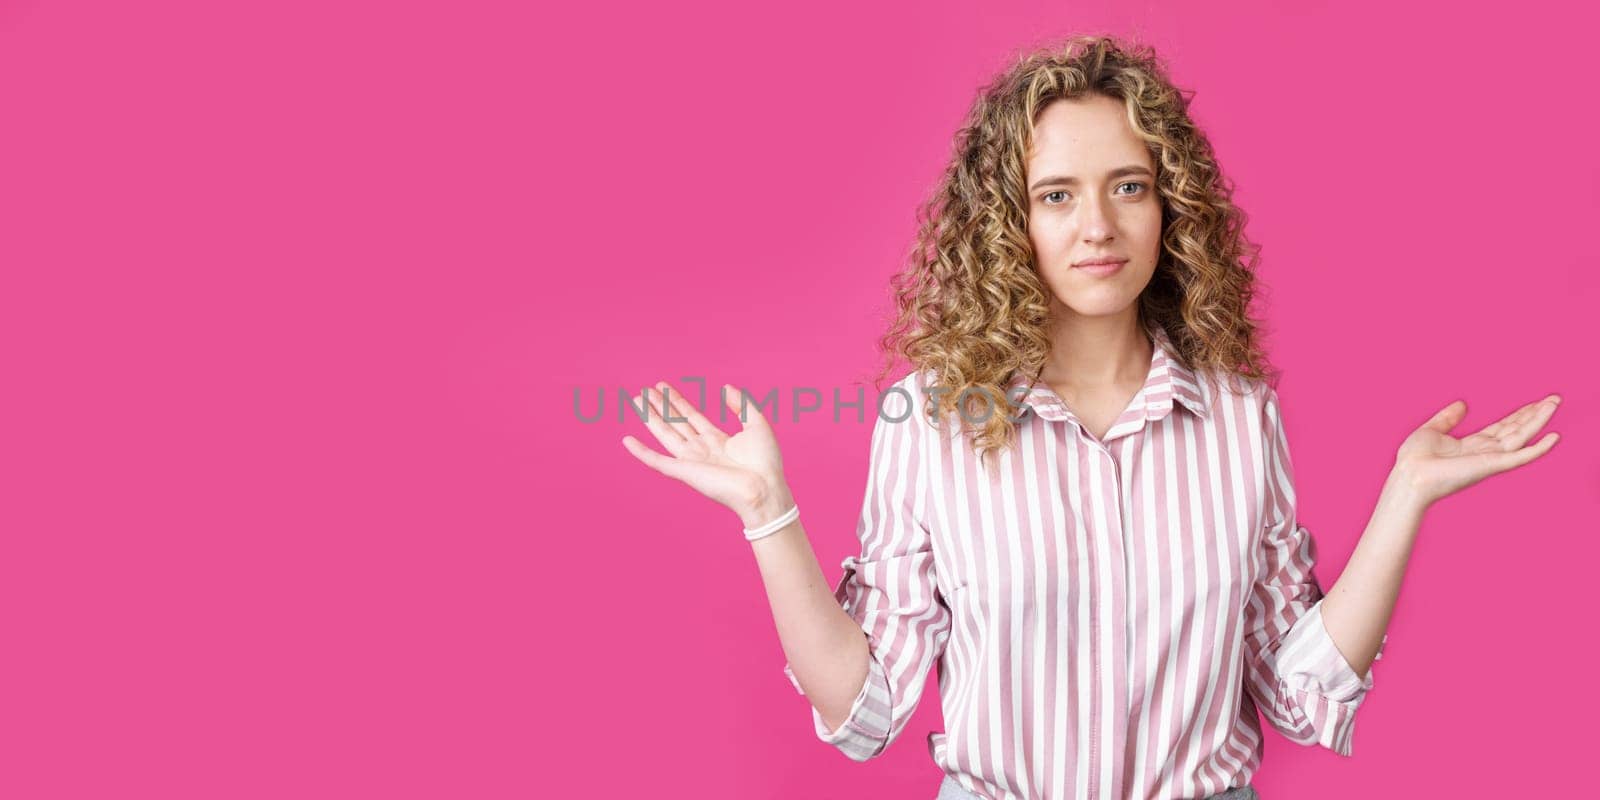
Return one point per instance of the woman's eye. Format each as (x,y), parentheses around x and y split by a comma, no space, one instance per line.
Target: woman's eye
(1062,194)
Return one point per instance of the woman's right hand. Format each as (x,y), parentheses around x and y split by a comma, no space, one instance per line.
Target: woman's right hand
(743,472)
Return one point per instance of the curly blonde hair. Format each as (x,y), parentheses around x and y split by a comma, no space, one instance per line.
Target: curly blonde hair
(970,305)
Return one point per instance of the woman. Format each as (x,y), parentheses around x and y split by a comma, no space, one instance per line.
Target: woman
(1113,581)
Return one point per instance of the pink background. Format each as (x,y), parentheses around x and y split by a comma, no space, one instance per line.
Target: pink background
(296,296)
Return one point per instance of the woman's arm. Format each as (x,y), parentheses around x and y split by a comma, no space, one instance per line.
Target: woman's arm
(1356,609)
(860,653)
(826,649)
(1431,465)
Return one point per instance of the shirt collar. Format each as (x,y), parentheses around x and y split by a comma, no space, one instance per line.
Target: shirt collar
(1167,380)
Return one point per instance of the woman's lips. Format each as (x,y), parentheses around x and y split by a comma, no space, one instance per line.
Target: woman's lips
(1101,270)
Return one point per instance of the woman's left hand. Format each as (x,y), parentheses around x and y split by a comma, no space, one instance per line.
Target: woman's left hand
(1435,464)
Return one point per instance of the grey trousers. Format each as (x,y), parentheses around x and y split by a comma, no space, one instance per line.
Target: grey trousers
(950,790)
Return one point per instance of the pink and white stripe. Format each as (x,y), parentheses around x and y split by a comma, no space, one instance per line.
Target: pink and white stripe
(1107,615)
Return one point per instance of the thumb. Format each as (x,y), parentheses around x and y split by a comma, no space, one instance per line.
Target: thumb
(748,414)
(1448,417)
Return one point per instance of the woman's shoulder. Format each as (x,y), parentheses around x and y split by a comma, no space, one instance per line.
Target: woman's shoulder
(907,399)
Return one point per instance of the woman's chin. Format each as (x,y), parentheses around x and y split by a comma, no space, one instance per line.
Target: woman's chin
(1110,305)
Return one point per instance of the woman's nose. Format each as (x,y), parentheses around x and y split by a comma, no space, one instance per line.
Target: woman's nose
(1096,222)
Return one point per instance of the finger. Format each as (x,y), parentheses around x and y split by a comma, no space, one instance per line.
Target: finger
(1500,462)
(1532,420)
(656,461)
(665,435)
(1501,435)
(671,417)
(1447,417)
(697,420)
(748,414)
(1489,435)
(1509,421)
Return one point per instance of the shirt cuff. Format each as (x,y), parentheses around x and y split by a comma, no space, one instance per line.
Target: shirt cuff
(1324,689)
(1313,662)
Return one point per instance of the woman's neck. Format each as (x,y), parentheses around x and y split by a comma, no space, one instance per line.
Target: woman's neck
(1097,352)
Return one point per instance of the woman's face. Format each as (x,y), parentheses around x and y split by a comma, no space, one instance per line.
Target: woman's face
(1091,195)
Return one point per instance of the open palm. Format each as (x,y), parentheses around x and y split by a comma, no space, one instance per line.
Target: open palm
(735,471)
(1440,464)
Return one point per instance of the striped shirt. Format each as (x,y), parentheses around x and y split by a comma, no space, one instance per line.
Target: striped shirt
(1107,615)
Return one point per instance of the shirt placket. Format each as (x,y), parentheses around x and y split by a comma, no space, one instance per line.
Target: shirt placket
(1107,726)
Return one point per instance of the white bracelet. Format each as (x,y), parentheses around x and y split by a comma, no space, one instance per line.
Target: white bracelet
(774,526)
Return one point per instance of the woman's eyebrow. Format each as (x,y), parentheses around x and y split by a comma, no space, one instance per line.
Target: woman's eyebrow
(1068,180)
